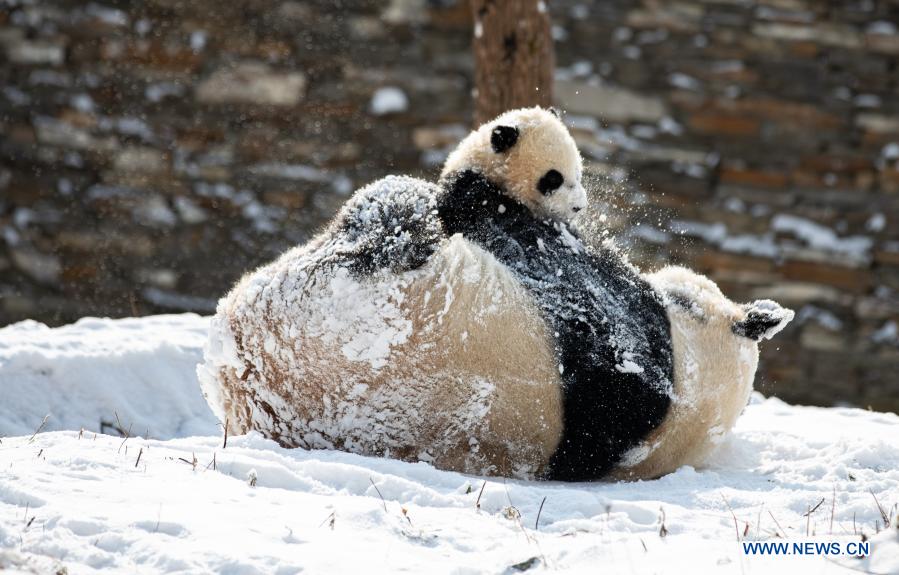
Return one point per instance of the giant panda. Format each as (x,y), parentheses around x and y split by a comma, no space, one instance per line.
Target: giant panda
(468,326)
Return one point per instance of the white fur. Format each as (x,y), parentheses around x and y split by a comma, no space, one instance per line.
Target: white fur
(713,374)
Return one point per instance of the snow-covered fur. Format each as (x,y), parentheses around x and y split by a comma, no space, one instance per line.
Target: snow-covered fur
(715,364)
(398,359)
(468,325)
(382,336)
(518,152)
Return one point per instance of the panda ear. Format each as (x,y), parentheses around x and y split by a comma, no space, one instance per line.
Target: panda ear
(503,137)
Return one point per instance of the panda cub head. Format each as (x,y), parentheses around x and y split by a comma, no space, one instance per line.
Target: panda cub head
(530,155)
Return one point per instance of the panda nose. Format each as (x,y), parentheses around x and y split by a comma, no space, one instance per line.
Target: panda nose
(576,208)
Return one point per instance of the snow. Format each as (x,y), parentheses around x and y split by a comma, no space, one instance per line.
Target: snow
(683,81)
(300,172)
(876,223)
(810,234)
(389,100)
(818,236)
(184,502)
(822,317)
(883,27)
(87,373)
(888,333)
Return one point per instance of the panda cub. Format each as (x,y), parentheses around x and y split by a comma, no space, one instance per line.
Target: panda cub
(467,325)
(609,329)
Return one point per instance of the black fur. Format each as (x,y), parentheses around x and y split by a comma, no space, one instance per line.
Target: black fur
(599,308)
(684,302)
(502,138)
(757,322)
(550,182)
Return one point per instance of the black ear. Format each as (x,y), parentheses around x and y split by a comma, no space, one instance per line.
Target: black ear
(550,182)
(503,137)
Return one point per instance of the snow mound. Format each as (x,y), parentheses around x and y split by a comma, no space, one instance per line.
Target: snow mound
(87,373)
(103,504)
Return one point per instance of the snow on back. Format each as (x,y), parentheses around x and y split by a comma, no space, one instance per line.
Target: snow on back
(329,316)
(368,328)
(84,374)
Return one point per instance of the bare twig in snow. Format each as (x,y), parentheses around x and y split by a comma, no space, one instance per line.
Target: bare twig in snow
(330,519)
(512,512)
(191,463)
(139,453)
(539,511)
(127,437)
(815,508)
(39,428)
(883,513)
(478,502)
(783,534)
(758,525)
(736,523)
(118,421)
(381,496)
(833,504)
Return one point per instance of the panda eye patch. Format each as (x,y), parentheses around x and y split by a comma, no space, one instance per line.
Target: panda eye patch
(550,182)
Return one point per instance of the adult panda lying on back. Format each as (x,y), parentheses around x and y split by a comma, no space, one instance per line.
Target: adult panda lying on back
(468,326)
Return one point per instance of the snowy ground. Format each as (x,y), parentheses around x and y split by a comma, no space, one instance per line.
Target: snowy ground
(181,502)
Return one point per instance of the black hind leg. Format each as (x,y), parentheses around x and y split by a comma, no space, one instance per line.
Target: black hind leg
(764,318)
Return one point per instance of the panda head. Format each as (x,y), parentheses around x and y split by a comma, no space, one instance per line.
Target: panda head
(531,156)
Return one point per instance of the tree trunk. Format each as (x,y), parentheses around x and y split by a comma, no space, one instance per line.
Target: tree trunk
(513,54)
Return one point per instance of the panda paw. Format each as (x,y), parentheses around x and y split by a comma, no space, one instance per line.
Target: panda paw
(764,319)
(391,224)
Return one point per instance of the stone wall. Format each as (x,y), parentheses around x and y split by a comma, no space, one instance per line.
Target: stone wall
(152,151)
